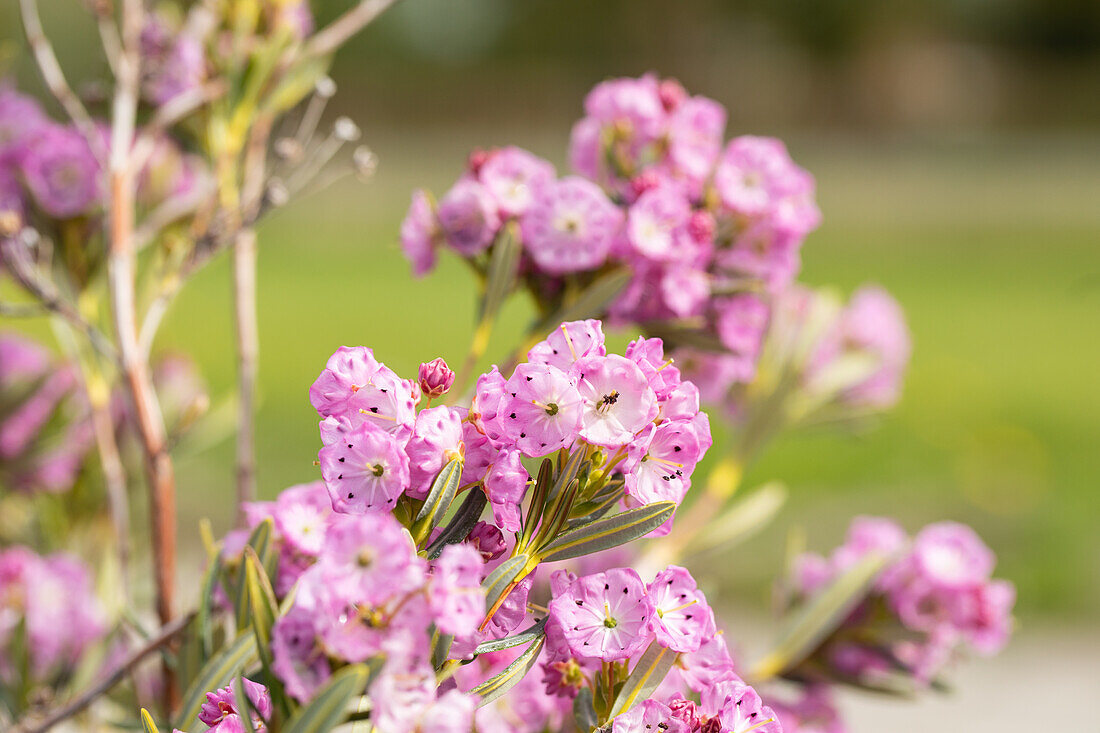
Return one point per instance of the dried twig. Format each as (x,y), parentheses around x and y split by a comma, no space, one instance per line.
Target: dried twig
(337,33)
(86,698)
(54,77)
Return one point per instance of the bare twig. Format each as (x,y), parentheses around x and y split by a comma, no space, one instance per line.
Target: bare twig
(48,297)
(54,77)
(244,299)
(167,633)
(337,33)
(121,269)
(23,310)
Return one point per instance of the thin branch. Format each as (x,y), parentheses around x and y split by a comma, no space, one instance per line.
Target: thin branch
(54,77)
(337,33)
(121,278)
(23,310)
(48,297)
(167,633)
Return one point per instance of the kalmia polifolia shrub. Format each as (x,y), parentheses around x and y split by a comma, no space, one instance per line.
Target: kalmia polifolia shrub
(469,556)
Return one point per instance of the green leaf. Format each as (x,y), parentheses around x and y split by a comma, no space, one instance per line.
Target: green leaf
(647,674)
(584,712)
(461,523)
(217,673)
(742,520)
(512,569)
(557,513)
(610,532)
(813,622)
(329,707)
(591,303)
(527,635)
(501,276)
(537,503)
(261,543)
(493,688)
(147,723)
(439,500)
(206,607)
(244,705)
(569,471)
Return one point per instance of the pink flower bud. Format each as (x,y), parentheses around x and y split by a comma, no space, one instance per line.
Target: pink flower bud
(645,181)
(435,378)
(701,226)
(671,94)
(478,157)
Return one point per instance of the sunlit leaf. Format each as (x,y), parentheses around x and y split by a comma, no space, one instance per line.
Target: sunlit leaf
(527,635)
(603,534)
(218,671)
(591,303)
(584,712)
(501,276)
(329,706)
(438,500)
(147,723)
(501,579)
(742,520)
(493,688)
(813,622)
(647,674)
(461,523)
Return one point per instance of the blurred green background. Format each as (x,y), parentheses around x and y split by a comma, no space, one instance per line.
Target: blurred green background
(956,145)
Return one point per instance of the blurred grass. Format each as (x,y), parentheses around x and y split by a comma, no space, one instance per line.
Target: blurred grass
(990,246)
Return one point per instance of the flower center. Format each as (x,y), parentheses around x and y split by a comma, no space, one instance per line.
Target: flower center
(365,558)
(607,401)
(378,470)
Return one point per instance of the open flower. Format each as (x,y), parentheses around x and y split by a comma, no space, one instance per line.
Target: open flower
(543,413)
(682,620)
(605,615)
(364,469)
(617,399)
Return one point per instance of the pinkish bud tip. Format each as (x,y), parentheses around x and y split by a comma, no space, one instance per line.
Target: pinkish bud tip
(435,378)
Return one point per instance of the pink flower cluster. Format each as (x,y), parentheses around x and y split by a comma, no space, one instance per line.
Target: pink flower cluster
(51,171)
(51,600)
(45,433)
(938,588)
(639,413)
(710,231)
(368,593)
(612,617)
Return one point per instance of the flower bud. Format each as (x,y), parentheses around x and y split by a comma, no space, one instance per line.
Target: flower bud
(488,540)
(435,378)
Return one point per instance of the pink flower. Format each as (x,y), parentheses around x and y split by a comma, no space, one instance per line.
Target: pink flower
(488,541)
(420,234)
(513,177)
(604,615)
(505,485)
(301,515)
(682,620)
(657,224)
(739,709)
(695,139)
(649,355)
(347,371)
(61,171)
(617,399)
(812,712)
(371,558)
(649,716)
(220,709)
(543,413)
(468,217)
(436,440)
(570,226)
(755,174)
(709,665)
(364,470)
(298,658)
(742,320)
(455,595)
(435,378)
(952,556)
(568,343)
(661,462)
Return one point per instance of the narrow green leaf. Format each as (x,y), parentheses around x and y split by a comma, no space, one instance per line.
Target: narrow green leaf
(647,674)
(609,532)
(493,688)
(527,635)
(217,673)
(568,472)
(537,503)
(590,304)
(244,705)
(742,520)
(329,707)
(503,266)
(294,87)
(584,711)
(439,499)
(499,580)
(679,335)
(261,543)
(813,622)
(557,513)
(206,607)
(461,523)
(147,723)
